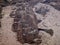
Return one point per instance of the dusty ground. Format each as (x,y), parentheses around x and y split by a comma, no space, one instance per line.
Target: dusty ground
(51,20)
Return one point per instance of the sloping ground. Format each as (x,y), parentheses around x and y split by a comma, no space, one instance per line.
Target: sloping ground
(51,20)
